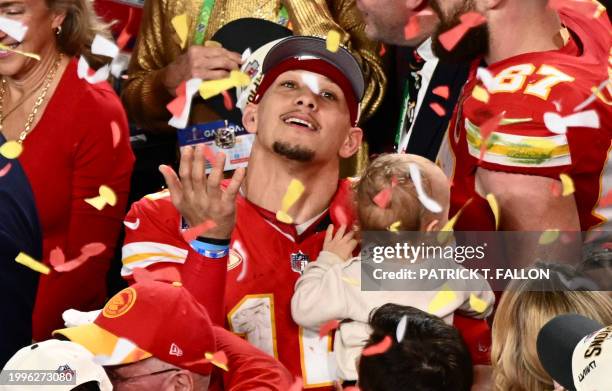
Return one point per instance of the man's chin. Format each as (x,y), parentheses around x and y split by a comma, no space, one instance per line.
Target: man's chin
(293,152)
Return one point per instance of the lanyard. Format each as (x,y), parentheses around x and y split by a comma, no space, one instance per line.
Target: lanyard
(402,119)
(206,11)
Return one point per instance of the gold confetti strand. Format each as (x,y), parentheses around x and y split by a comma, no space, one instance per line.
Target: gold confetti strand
(33,264)
(449,227)
(494,208)
(568,185)
(442,299)
(395,226)
(478,304)
(27,54)
(332,41)
(179,23)
(11,149)
(293,193)
(480,94)
(549,236)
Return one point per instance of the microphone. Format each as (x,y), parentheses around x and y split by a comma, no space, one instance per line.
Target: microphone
(577,352)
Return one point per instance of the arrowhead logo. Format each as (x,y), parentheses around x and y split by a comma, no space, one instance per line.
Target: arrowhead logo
(133,226)
(175,350)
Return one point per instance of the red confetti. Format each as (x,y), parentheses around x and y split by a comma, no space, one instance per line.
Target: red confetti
(227,101)
(218,358)
(298,385)
(57,257)
(71,265)
(486,129)
(394,181)
(556,188)
(442,91)
(176,106)
(472,19)
(5,169)
(93,249)
(438,109)
(192,233)
(383,50)
(126,34)
(328,327)
(116,132)
(378,348)
(339,216)
(413,28)
(606,200)
(450,38)
(141,274)
(383,198)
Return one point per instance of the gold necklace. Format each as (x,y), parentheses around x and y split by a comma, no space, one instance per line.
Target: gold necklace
(39,101)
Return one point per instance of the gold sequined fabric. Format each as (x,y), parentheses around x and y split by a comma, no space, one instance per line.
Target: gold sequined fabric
(144,96)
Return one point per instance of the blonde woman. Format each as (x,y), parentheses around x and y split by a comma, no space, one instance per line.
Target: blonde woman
(524,308)
(74,137)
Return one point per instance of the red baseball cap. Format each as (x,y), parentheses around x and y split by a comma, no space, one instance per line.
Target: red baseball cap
(163,320)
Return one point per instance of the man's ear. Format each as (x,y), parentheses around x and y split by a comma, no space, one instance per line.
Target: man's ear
(180,381)
(351,142)
(249,118)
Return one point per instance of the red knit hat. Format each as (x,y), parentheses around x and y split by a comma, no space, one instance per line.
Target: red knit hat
(163,320)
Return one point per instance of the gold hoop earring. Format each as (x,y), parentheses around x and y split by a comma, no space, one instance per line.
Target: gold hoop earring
(58,30)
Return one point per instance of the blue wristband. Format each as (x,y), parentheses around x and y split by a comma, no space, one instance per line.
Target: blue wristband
(210,250)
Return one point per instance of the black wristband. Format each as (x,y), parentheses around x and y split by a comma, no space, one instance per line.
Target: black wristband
(218,242)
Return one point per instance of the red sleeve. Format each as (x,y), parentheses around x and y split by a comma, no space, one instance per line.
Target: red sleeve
(250,369)
(477,336)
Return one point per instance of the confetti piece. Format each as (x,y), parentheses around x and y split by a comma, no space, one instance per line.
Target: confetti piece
(332,41)
(400,331)
(555,189)
(350,281)
(93,249)
(192,233)
(438,109)
(595,91)
(394,181)
(191,88)
(5,169)
(383,198)
(557,124)
(13,28)
(451,38)
(480,94)
(378,348)
(104,47)
(486,77)
(56,257)
(11,149)
(606,200)
(478,304)
(383,50)
(33,264)
(568,185)
(395,226)
(494,208)
(297,385)
(27,54)
(227,101)
(441,300)
(119,64)
(293,193)
(412,29)
(74,318)
(211,88)
(116,133)
(71,265)
(125,35)
(107,196)
(548,236)
(328,327)
(84,72)
(429,203)
(122,349)
(218,359)
(246,54)
(132,225)
(448,228)
(179,23)
(442,91)
(339,216)
(311,81)
(486,129)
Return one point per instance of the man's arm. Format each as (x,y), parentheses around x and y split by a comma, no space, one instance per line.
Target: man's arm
(315,17)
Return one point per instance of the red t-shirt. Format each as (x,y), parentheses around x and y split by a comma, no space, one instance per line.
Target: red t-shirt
(66,157)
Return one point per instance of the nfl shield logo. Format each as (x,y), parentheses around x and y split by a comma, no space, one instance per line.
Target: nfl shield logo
(299,261)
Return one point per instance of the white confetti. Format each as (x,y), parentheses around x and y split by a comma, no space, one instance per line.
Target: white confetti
(593,96)
(192,87)
(246,54)
(311,81)
(119,64)
(99,76)
(74,318)
(557,124)
(13,28)
(428,203)
(104,47)
(401,328)
(123,347)
(486,77)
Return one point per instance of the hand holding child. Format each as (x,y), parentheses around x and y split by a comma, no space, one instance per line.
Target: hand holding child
(341,244)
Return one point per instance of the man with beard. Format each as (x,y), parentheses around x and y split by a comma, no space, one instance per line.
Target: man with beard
(508,136)
(304,119)
(420,130)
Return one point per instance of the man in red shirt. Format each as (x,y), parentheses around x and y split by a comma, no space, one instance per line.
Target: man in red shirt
(542,114)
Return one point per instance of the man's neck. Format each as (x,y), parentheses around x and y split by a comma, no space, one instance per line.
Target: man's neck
(537,30)
(269,175)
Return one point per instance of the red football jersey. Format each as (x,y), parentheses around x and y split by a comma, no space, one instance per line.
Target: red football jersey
(266,259)
(526,88)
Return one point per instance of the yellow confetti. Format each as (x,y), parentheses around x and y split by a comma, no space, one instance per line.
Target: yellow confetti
(449,227)
(11,149)
(107,196)
(350,281)
(395,226)
(240,78)
(210,88)
(548,236)
(478,304)
(27,54)
(568,185)
(333,41)
(293,193)
(211,357)
(179,23)
(441,300)
(494,207)
(33,264)
(480,94)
